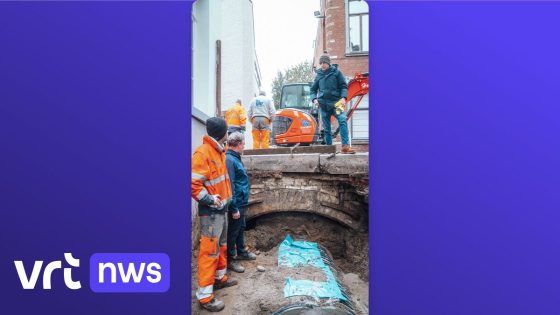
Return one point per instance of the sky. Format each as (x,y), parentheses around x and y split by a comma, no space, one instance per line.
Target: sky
(284,34)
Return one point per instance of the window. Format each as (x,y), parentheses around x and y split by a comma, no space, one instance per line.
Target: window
(296,96)
(357,34)
(360,120)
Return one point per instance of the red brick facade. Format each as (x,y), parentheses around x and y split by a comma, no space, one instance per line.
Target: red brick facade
(332,30)
(335,27)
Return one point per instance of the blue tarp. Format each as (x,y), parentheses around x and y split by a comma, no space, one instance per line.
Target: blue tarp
(300,254)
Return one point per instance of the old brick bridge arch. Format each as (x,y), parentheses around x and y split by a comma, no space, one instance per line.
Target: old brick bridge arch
(331,186)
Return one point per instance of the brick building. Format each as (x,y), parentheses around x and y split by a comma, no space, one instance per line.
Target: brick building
(343,31)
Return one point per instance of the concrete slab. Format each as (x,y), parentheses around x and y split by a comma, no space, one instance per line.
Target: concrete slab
(295,150)
(335,164)
(286,163)
(345,163)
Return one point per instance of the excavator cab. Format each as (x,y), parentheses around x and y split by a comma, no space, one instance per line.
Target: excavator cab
(298,96)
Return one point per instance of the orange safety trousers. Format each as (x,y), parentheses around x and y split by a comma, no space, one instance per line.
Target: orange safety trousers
(212,257)
(261,132)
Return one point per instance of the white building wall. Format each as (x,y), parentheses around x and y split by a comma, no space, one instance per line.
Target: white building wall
(231,22)
(232,53)
(239,77)
(198,131)
(202,85)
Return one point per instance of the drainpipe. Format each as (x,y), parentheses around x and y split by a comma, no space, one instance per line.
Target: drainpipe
(324,26)
(322,15)
(218,78)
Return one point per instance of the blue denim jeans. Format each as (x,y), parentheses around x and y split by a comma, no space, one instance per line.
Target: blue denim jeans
(326,118)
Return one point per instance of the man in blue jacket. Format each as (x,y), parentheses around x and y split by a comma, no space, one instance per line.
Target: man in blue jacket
(240,188)
(332,88)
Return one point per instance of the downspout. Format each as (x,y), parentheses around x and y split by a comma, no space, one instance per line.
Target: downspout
(218,78)
(324,26)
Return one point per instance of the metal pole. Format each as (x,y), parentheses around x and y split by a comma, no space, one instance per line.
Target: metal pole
(218,78)
(324,26)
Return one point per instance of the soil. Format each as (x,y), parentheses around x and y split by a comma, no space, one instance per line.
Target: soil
(304,273)
(349,248)
(263,292)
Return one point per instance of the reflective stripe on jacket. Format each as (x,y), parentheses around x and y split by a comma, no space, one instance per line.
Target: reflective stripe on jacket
(210,176)
(235,116)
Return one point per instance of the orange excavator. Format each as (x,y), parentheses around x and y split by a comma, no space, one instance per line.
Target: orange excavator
(297,120)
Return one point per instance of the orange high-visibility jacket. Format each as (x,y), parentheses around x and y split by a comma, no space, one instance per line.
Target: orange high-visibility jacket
(235,116)
(210,176)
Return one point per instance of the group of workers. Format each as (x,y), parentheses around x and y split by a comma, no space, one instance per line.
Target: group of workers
(261,113)
(220,183)
(330,90)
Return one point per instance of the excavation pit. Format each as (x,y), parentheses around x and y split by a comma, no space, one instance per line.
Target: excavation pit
(349,248)
(319,198)
(263,292)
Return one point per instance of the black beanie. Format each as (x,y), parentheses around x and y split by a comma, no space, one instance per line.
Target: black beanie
(216,127)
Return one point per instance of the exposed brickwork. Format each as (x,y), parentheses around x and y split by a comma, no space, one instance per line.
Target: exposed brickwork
(334,34)
(335,25)
(335,187)
(333,197)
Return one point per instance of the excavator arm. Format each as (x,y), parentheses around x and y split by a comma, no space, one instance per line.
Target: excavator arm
(357,87)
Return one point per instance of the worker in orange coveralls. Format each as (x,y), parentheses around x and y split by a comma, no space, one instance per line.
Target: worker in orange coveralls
(236,118)
(261,111)
(211,188)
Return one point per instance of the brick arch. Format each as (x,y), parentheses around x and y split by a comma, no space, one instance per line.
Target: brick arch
(304,200)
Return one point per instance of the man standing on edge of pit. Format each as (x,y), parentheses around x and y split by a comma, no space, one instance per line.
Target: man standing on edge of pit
(332,88)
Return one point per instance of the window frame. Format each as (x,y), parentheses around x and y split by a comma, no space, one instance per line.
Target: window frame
(347,14)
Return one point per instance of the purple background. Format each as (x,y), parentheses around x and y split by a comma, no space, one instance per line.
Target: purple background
(95,121)
(466,143)
(126,259)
